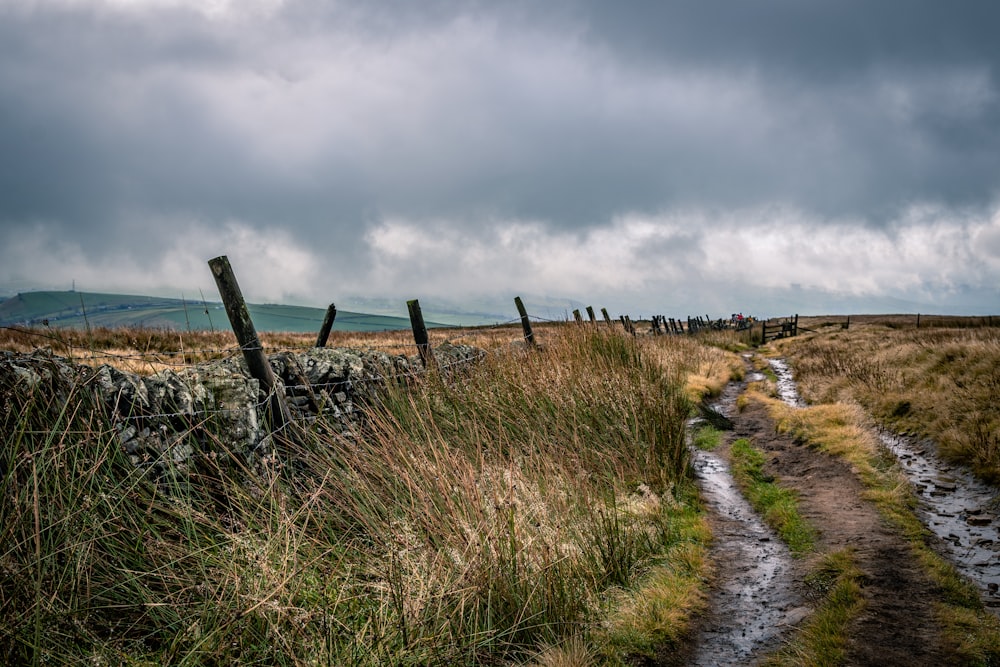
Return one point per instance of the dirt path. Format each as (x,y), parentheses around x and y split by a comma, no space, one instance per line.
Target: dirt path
(897,626)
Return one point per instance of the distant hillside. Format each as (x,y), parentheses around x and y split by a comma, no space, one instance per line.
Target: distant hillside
(67,309)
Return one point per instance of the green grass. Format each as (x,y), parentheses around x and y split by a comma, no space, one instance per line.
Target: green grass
(778,506)
(707,438)
(837,582)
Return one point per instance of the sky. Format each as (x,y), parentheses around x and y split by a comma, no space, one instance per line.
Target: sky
(676,157)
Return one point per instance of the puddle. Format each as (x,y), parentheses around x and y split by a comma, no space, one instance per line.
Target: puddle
(959,509)
(753,602)
(962,511)
(787,390)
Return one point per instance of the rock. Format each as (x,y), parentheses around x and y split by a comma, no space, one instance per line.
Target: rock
(797,615)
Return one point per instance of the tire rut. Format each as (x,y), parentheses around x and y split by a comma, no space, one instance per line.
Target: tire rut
(897,624)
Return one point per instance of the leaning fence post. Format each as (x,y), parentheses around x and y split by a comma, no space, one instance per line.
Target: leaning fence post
(529,336)
(577,316)
(420,332)
(246,336)
(324,331)
(590,314)
(607,318)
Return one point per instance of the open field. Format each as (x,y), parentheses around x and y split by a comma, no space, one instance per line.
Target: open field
(941,383)
(81,310)
(535,508)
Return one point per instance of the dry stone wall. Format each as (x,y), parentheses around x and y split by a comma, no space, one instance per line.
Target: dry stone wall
(162,420)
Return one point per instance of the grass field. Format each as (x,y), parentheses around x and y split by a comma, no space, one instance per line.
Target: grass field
(78,310)
(534,509)
(938,382)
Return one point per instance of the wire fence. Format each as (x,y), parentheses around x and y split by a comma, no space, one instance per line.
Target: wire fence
(373,374)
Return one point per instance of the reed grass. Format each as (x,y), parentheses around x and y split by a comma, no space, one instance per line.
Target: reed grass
(523,510)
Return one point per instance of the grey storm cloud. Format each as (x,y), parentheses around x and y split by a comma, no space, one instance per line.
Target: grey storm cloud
(344,124)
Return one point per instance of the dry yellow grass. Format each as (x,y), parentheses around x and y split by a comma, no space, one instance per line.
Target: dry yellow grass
(939,383)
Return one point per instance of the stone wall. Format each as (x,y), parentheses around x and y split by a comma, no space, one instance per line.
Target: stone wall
(162,419)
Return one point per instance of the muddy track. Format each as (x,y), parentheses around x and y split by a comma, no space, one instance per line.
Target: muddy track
(897,625)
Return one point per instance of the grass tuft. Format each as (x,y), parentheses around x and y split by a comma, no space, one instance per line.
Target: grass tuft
(837,581)
(778,506)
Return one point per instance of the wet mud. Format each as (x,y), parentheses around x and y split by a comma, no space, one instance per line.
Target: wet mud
(753,599)
(961,511)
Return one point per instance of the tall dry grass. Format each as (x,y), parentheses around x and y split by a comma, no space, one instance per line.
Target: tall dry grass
(533,507)
(939,383)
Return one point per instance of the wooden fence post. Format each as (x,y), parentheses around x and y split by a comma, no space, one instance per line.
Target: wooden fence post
(607,318)
(576,316)
(918,320)
(590,314)
(795,326)
(246,336)
(529,336)
(324,331)
(420,332)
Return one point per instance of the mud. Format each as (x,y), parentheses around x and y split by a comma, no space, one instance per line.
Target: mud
(753,599)
(956,507)
(760,592)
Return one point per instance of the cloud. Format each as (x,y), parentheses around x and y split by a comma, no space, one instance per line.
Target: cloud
(494,146)
(270,265)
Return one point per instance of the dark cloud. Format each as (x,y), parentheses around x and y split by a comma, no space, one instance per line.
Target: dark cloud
(121,124)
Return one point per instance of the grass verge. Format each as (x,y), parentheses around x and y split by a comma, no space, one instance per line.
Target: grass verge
(777,505)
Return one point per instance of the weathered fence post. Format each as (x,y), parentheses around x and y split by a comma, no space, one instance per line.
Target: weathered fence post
(607,318)
(590,314)
(918,320)
(246,336)
(420,332)
(795,325)
(529,336)
(576,316)
(324,331)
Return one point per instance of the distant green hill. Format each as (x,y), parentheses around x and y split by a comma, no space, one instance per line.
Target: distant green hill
(67,309)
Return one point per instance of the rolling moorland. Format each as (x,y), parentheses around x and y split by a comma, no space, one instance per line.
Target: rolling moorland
(533,507)
(70,309)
